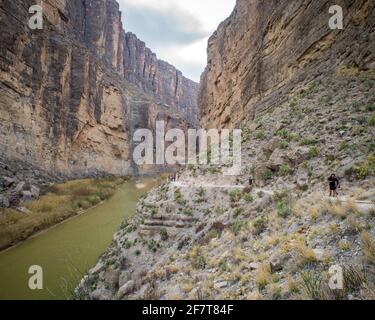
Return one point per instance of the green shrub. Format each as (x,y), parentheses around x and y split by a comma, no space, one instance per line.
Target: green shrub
(237,225)
(371,121)
(260,224)
(283,145)
(283,210)
(219,211)
(371,107)
(248,197)
(293,137)
(213,170)
(127,244)
(267,174)
(187,211)
(283,133)
(280,196)
(285,170)
(163,234)
(366,168)
(313,152)
(223,266)
(179,198)
(235,195)
(200,262)
(153,246)
(260,135)
(237,212)
(308,141)
(343,146)
(371,147)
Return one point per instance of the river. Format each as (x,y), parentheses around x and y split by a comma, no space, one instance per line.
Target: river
(67,251)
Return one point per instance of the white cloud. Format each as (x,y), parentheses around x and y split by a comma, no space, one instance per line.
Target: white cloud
(176,30)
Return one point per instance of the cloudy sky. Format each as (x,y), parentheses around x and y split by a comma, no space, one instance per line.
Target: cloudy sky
(176,30)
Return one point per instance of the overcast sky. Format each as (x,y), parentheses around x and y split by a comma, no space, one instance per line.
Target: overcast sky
(176,30)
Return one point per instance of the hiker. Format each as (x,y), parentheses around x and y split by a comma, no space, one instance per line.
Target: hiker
(334,183)
(250,183)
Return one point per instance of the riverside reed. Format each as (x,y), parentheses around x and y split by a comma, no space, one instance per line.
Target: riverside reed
(61,202)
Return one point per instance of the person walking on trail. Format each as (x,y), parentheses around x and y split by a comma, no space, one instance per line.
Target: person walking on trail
(250,183)
(334,183)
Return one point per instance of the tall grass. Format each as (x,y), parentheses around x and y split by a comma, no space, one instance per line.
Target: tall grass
(61,202)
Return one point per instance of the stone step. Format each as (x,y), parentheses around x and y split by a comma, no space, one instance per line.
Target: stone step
(164,223)
(176,217)
(154,230)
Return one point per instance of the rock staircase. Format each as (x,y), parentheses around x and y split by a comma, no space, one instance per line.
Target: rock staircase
(151,226)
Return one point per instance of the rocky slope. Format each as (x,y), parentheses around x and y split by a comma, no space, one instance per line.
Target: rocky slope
(208,236)
(265,48)
(72,94)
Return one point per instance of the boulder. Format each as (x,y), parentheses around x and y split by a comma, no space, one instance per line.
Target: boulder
(319,254)
(126,288)
(101,294)
(298,155)
(272,145)
(259,178)
(123,278)
(8,182)
(111,277)
(35,191)
(254,265)
(366,208)
(20,187)
(26,196)
(277,159)
(220,284)
(98,268)
(302,178)
(4,201)
(278,262)
(23,210)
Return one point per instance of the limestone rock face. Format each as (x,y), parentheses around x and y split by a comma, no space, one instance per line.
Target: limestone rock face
(265,48)
(72,94)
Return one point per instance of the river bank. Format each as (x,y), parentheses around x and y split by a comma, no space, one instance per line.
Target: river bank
(61,202)
(70,249)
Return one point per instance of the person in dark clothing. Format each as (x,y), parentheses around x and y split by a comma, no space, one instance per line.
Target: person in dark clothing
(250,187)
(334,183)
(250,181)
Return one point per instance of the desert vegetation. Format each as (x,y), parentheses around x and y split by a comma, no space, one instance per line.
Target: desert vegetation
(61,201)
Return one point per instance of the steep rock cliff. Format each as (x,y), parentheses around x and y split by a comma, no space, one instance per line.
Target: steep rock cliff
(72,94)
(265,48)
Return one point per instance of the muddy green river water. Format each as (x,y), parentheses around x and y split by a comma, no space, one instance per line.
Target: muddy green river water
(68,250)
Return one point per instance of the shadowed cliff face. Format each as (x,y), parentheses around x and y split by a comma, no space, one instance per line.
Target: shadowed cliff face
(72,94)
(265,48)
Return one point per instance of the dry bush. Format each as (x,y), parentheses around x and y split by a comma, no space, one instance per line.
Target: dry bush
(368,247)
(314,213)
(63,201)
(305,254)
(263,275)
(334,208)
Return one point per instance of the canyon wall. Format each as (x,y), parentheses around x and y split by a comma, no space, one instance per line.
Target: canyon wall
(266,48)
(72,94)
